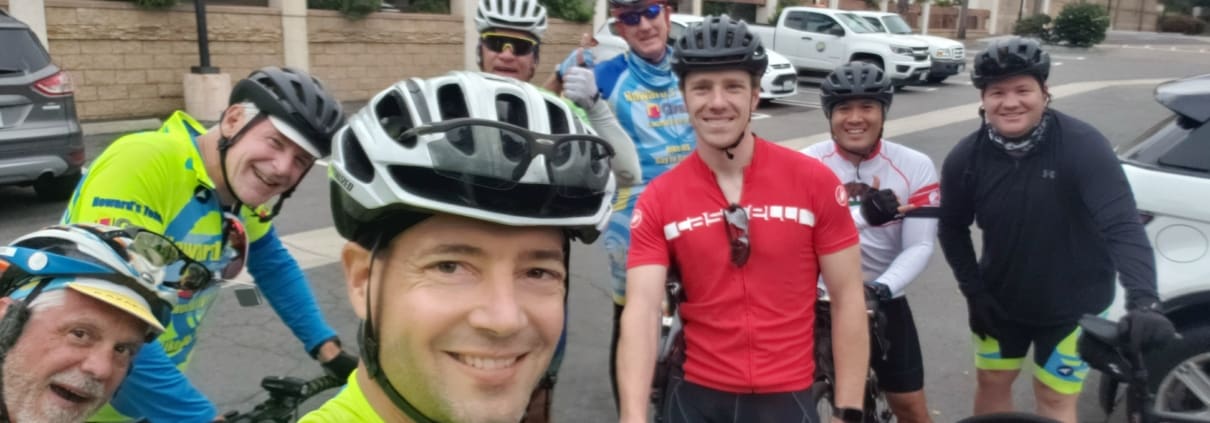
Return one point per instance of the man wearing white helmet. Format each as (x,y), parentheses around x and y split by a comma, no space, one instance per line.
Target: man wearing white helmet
(510,35)
(459,196)
(78,303)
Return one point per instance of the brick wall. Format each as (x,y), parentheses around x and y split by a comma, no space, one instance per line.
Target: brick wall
(127,62)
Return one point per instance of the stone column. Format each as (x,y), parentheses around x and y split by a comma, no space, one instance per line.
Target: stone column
(295,45)
(833,4)
(882,5)
(924,17)
(764,12)
(600,13)
(33,13)
(470,35)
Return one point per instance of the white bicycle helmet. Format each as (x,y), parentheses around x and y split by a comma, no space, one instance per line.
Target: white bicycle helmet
(469,144)
(521,15)
(121,267)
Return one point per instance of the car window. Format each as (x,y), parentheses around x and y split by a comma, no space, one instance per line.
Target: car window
(1191,154)
(796,20)
(817,22)
(855,23)
(1175,144)
(875,23)
(896,24)
(675,31)
(22,51)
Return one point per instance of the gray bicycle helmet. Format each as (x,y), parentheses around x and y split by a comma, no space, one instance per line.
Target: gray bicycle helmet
(855,80)
(717,43)
(296,99)
(1010,57)
(629,3)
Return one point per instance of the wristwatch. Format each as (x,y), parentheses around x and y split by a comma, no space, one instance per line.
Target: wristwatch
(848,414)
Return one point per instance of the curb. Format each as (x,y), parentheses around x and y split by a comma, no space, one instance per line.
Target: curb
(119,126)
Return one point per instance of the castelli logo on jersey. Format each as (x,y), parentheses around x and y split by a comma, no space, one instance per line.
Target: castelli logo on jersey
(653,111)
(637,219)
(842,196)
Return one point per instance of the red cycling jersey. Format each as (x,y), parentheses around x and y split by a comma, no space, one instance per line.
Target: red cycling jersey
(747,329)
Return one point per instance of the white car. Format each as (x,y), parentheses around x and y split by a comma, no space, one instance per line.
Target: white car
(1169,171)
(949,56)
(780,79)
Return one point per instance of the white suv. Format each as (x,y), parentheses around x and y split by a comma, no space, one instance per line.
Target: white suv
(780,79)
(1169,171)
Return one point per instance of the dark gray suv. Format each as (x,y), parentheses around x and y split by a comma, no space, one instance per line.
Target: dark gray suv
(40,139)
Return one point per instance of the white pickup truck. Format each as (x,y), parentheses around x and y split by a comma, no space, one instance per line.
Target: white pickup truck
(949,56)
(818,40)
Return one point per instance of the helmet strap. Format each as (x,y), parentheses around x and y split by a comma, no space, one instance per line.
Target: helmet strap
(11,326)
(225,144)
(370,351)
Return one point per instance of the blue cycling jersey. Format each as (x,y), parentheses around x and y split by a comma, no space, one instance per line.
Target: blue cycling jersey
(647,100)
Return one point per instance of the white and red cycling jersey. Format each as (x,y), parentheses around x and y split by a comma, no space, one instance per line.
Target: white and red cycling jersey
(897,252)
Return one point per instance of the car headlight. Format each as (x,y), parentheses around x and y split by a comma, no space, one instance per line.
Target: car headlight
(941,53)
(906,51)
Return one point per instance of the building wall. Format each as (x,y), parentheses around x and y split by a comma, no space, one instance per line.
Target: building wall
(127,62)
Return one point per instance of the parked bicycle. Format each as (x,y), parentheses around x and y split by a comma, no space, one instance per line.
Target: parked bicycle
(285,395)
(875,405)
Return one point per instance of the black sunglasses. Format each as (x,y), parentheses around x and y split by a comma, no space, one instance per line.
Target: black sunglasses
(497,42)
(160,252)
(633,17)
(737,234)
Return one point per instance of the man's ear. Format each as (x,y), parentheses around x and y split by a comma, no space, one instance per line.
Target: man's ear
(356,262)
(4,303)
(232,120)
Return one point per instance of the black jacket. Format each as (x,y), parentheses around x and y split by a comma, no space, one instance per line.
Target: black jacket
(1056,225)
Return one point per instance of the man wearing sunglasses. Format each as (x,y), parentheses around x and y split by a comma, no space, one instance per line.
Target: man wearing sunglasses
(78,303)
(457,259)
(855,99)
(641,88)
(749,226)
(214,192)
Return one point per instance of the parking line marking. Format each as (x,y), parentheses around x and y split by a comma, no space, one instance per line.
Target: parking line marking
(759,116)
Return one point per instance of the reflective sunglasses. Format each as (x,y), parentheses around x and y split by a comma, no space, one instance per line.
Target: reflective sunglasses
(633,17)
(235,245)
(160,252)
(498,42)
(737,234)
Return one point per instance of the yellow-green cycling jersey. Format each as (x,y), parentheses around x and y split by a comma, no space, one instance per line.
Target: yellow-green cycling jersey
(157,180)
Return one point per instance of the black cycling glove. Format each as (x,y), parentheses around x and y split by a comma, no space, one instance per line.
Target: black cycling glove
(879,291)
(341,366)
(1145,328)
(985,314)
(879,207)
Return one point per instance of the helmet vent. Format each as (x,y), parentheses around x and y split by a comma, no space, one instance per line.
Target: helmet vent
(557,118)
(511,109)
(394,118)
(356,160)
(451,102)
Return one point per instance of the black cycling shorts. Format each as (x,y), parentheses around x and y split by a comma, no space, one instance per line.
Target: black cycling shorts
(903,369)
(692,403)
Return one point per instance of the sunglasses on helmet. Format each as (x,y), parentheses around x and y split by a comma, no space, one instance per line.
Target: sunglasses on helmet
(235,245)
(160,252)
(633,17)
(498,42)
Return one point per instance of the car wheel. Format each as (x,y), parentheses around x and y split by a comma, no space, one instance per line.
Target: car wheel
(937,79)
(57,188)
(1179,374)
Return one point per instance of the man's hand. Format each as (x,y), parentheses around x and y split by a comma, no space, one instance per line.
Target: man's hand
(984,313)
(879,206)
(580,86)
(335,361)
(1146,329)
(879,291)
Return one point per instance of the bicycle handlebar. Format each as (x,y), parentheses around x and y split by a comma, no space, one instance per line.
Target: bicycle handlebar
(285,395)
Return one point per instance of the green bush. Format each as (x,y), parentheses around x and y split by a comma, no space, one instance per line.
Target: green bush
(155,4)
(1182,24)
(1033,26)
(352,9)
(570,10)
(1081,24)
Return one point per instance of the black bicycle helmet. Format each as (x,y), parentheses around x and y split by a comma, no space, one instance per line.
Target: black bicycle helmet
(629,3)
(855,80)
(719,42)
(1010,57)
(298,100)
